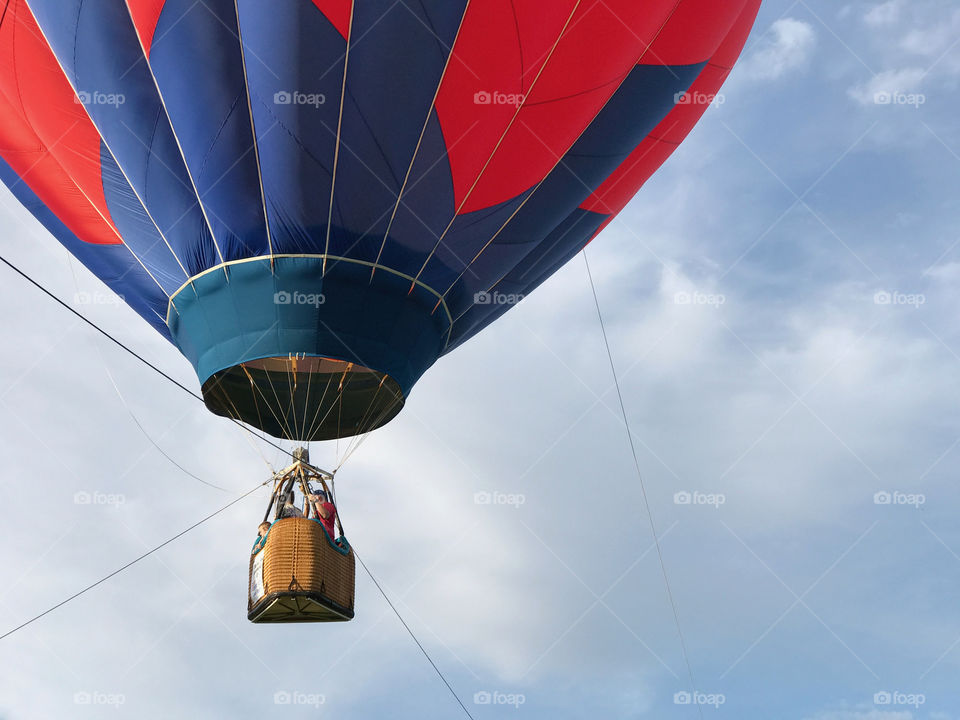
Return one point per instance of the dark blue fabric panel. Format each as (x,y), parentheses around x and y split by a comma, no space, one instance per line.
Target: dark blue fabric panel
(97,45)
(113,264)
(136,228)
(425,208)
(469,233)
(544,259)
(294,60)
(198,67)
(395,67)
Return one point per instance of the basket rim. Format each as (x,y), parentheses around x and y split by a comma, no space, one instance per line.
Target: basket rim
(261,544)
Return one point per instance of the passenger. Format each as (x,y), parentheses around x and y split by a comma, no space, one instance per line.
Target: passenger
(288,509)
(326,512)
(262,531)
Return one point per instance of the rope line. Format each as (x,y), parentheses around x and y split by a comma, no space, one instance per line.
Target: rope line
(129,564)
(643,489)
(407,628)
(131,351)
(153,442)
(126,405)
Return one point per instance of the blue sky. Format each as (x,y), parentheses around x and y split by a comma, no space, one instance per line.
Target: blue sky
(811,219)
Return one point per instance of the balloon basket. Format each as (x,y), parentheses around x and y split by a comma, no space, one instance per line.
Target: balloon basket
(301,575)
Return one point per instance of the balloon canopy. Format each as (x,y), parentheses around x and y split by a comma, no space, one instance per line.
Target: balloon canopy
(314,200)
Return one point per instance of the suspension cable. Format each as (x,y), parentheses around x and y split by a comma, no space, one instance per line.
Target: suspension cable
(643,489)
(126,405)
(131,563)
(132,352)
(407,628)
(153,442)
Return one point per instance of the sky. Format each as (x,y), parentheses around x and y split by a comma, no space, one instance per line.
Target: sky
(781,304)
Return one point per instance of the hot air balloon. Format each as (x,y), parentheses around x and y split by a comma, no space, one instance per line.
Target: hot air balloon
(315,200)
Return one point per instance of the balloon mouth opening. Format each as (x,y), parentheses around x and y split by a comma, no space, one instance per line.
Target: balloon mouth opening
(304,398)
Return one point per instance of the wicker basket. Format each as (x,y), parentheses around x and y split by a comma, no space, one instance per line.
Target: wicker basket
(301,575)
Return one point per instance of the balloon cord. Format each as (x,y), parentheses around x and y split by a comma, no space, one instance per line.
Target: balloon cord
(643,489)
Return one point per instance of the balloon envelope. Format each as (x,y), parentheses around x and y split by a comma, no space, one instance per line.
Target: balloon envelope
(316,199)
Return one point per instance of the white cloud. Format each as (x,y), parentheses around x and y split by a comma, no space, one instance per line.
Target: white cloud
(886,85)
(934,38)
(884,14)
(786,47)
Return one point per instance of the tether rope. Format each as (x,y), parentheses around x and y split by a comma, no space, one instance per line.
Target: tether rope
(131,351)
(131,563)
(643,489)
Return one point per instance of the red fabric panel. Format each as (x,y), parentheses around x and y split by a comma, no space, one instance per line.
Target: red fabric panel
(46,135)
(338,12)
(38,168)
(731,47)
(495,58)
(694,32)
(508,48)
(146,14)
(617,190)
